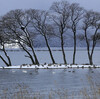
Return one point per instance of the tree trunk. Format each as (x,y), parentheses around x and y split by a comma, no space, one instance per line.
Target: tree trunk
(31,46)
(8,58)
(93,46)
(10,64)
(9,61)
(4,61)
(90,60)
(90,55)
(88,49)
(30,56)
(92,51)
(74,53)
(53,61)
(62,47)
(36,60)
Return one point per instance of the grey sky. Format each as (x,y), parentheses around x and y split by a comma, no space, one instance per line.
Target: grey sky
(7,5)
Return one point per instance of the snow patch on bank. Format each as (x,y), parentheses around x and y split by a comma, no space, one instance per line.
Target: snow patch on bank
(50,66)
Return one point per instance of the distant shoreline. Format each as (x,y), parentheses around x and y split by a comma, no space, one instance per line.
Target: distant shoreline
(53,49)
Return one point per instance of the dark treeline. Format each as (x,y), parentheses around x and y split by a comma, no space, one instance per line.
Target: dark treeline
(62,21)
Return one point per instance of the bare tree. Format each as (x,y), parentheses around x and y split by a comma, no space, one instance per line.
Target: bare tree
(60,18)
(76,14)
(91,27)
(4,39)
(41,24)
(16,22)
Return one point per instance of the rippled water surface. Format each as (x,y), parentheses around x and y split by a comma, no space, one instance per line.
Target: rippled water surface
(50,83)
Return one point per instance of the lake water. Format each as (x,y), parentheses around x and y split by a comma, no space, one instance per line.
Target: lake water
(50,84)
(18,57)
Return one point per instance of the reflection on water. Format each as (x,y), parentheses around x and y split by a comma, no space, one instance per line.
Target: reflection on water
(50,83)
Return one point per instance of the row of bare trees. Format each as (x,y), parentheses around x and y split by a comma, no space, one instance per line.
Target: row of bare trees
(22,27)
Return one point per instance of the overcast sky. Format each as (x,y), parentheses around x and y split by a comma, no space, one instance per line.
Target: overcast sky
(7,5)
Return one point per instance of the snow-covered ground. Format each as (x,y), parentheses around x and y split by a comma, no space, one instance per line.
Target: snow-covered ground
(50,66)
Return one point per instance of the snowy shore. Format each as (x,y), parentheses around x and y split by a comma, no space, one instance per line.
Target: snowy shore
(49,66)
